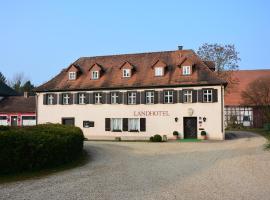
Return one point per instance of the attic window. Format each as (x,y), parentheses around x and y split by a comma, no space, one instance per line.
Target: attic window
(95,75)
(72,75)
(186,70)
(126,73)
(159,71)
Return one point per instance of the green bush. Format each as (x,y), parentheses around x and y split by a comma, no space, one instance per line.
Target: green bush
(175,133)
(151,139)
(156,138)
(203,133)
(38,147)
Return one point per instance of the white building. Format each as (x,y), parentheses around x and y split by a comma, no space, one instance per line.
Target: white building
(135,96)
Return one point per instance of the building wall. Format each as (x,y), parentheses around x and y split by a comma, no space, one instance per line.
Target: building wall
(164,123)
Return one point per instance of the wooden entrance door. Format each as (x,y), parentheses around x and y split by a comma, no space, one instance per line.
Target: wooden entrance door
(190,127)
(14,121)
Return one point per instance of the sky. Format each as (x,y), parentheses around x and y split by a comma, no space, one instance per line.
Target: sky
(40,38)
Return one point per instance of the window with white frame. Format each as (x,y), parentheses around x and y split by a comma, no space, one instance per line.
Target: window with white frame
(3,121)
(186,70)
(81,98)
(132,98)
(66,99)
(116,124)
(133,124)
(72,75)
(159,71)
(187,96)
(126,72)
(114,97)
(149,97)
(168,96)
(50,99)
(207,95)
(95,75)
(98,97)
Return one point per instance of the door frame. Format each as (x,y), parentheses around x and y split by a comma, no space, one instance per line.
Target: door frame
(11,116)
(184,134)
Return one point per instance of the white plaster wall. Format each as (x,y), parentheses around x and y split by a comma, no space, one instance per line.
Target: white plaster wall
(163,125)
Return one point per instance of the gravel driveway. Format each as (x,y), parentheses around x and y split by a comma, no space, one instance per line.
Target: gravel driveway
(231,169)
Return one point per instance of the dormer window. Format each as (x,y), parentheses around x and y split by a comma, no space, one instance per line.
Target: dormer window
(126,73)
(72,75)
(186,70)
(95,75)
(159,71)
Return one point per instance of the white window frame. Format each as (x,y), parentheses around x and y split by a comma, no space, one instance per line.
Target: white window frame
(159,71)
(115,124)
(207,95)
(126,73)
(50,99)
(132,96)
(186,70)
(66,99)
(97,98)
(4,122)
(95,75)
(168,96)
(72,75)
(149,97)
(81,98)
(131,120)
(114,97)
(187,96)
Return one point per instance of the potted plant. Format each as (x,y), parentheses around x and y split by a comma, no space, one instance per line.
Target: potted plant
(176,134)
(204,135)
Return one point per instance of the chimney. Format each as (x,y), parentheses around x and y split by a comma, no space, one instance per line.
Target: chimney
(26,94)
(180,47)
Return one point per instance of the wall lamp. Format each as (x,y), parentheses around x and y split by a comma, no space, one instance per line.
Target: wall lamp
(204,119)
(176,119)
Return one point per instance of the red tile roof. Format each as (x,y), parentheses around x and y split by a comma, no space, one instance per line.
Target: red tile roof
(18,104)
(143,75)
(243,77)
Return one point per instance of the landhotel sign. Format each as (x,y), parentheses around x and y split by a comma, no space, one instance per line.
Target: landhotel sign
(148,113)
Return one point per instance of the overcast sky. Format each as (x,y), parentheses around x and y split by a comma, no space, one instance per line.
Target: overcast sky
(40,39)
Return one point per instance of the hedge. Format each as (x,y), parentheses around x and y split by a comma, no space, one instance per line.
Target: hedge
(38,147)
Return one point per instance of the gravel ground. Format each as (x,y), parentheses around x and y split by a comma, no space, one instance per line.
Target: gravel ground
(233,169)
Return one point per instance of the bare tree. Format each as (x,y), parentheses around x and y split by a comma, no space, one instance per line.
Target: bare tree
(225,57)
(258,94)
(20,83)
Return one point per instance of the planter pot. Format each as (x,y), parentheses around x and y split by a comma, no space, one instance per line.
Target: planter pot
(204,137)
(176,137)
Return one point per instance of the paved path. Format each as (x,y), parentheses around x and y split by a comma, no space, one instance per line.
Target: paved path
(232,169)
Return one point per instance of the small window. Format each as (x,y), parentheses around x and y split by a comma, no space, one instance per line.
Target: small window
(133,124)
(95,75)
(246,118)
(98,97)
(132,98)
(168,96)
(149,97)
(186,70)
(81,98)
(116,124)
(207,96)
(187,96)
(158,71)
(72,75)
(66,99)
(50,99)
(114,98)
(126,73)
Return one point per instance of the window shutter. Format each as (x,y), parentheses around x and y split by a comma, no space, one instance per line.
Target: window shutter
(76,98)
(91,98)
(45,99)
(200,95)
(125,124)
(174,96)
(61,98)
(143,97)
(70,98)
(120,97)
(142,124)
(54,99)
(156,94)
(125,98)
(138,97)
(107,124)
(103,97)
(181,98)
(194,96)
(108,98)
(161,96)
(86,98)
(215,95)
